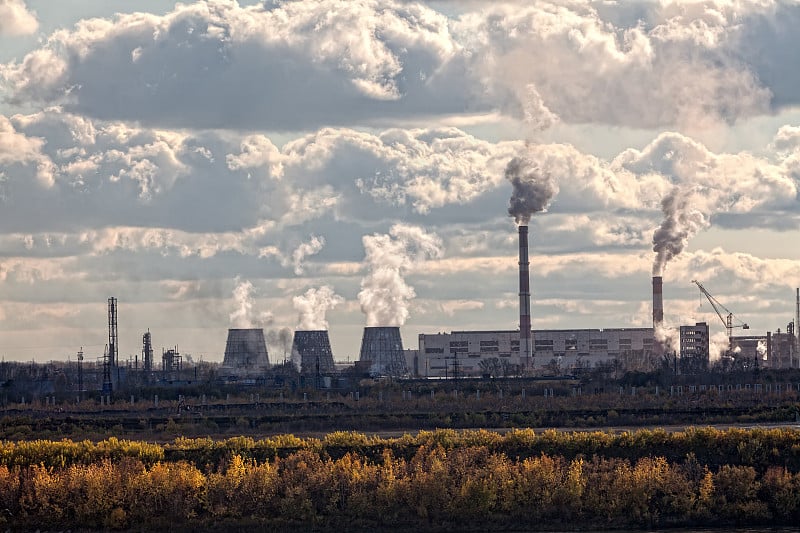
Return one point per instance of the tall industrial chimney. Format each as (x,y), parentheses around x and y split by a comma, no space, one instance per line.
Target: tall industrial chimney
(525,344)
(658,301)
(796,329)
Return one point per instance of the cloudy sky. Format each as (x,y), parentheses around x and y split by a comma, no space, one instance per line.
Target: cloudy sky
(307,163)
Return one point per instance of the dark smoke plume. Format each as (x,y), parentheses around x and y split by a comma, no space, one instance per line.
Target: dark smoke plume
(533,189)
(682,220)
(281,339)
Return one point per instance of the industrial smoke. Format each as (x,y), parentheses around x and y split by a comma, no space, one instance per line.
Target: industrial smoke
(533,189)
(682,220)
(281,339)
(384,295)
(242,316)
(314,305)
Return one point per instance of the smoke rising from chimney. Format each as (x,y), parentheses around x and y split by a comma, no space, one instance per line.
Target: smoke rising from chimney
(242,316)
(682,220)
(313,305)
(384,295)
(533,191)
(281,339)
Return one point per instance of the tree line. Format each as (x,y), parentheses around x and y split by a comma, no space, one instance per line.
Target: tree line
(428,481)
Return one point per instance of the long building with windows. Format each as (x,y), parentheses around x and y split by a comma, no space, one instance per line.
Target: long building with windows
(497,353)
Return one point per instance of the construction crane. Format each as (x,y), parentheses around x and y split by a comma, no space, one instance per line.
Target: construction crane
(727,318)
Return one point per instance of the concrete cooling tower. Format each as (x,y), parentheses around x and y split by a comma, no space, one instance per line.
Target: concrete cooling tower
(245,351)
(313,350)
(383,348)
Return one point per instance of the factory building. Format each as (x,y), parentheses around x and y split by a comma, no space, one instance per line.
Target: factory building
(781,349)
(476,353)
(694,347)
(773,350)
(750,348)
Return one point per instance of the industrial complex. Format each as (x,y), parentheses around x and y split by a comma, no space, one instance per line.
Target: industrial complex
(524,352)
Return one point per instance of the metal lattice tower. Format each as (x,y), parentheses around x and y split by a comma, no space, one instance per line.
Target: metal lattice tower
(107,386)
(383,348)
(113,348)
(147,351)
(171,363)
(80,374)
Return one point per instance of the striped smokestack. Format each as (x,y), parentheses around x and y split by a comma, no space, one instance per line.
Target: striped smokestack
(524,299)
(658,302)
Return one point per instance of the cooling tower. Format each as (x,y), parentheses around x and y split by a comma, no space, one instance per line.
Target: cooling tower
(658,302)
(313,350)
(525,343)
(246,351)
(383,348)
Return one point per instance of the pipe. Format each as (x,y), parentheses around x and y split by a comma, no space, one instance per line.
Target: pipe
(525,344)
(658,302)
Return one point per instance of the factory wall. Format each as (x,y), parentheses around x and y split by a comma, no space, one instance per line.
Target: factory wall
(473,353)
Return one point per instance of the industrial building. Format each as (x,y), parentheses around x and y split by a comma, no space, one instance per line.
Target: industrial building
(382,351)
(476,353)
(695,340)
(773,350)
(245,352)
(312,349)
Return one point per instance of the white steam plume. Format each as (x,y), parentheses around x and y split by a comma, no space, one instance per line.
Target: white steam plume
(718,345)
(761,350)
(313,305)
(384,295)
(668,337)
(682,220)
(534,188)
(242,315)
(306,249)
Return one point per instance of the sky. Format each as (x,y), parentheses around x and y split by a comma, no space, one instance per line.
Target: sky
(335,164)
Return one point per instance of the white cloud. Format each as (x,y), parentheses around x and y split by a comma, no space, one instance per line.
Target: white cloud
(16,18)
(451,307)
(298,65)
(17,148)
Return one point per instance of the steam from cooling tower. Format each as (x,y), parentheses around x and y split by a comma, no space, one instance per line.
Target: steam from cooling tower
(682,220)
(313,306)
(304,250)
(384,295)
(533,189)
(242,315)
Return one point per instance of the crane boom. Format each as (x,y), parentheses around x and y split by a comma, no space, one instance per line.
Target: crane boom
(727,318)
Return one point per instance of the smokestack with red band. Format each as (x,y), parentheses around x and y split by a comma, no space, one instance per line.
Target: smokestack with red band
(524,299)
(658,302)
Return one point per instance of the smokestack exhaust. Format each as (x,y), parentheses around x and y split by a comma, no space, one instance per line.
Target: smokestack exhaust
(525,344)
(658,302)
